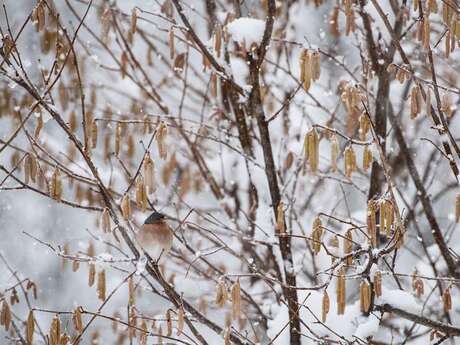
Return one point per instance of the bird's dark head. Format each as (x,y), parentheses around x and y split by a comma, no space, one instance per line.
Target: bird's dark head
(155,217)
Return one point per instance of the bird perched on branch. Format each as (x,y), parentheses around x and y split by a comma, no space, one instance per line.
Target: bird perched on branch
(156,236)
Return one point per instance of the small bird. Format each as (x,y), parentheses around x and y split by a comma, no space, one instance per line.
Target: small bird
(156,236)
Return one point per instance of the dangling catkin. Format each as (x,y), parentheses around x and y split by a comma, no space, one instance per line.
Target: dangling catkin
(30,328)
(221,294)
(168,323)
(372,222)
(171,43)
(325,306)
(349,161)
(94,133)
(334,152)
(105,221)
(415,102)
(316,235)
(91,274)
(305,69)
(126,207)
(101,285)
(236,300)
(315,65)
(348,246)
(311,147)
(378,284)
(447,300)
(341,292)
(117,139)
(367,158)
(131,292)
(180,320)
(56,185)
(364,126)
(133,20)
(365,296)
(77,321)
(141,195)
(161,140)
(149,174)
(55,331)
(5,316)
(280,226)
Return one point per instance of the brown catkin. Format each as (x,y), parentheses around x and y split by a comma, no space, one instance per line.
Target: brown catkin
(55,331)
(236,300)
(126,207)
(168,323)
(105,221)
(101,285)
(446,105)
(349,161)
(334,22)
(94,133)
(180,320)
(447,42)
(364,126)
(417,285)
(305,69)
(56,185)
(77,321)
(141,194)
(218,40)
(227,334)
(280,225)
(131,292)
(30,328)
(30,168)
(341,292)
(123,64)
(334,152)
(389,218)
(316,235)
(311,147)
(91,274)
(367,158)
(5,316)
(149,174)
(447,300)
(315,65)
(161,139)
(143,334)
(372,222)
(348,246)
(428,102)
(221,294)
(365,296)
(133,20)
(171,43)
(117,139)
(325,306)
(415,102)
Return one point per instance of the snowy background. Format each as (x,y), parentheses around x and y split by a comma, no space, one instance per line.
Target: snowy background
(210,232)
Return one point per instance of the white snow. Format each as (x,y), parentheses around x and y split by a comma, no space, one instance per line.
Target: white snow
(368,327)
(399,299)
(240,70)
(246,30)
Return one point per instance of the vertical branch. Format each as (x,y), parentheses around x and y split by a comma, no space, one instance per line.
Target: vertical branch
(256,109)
